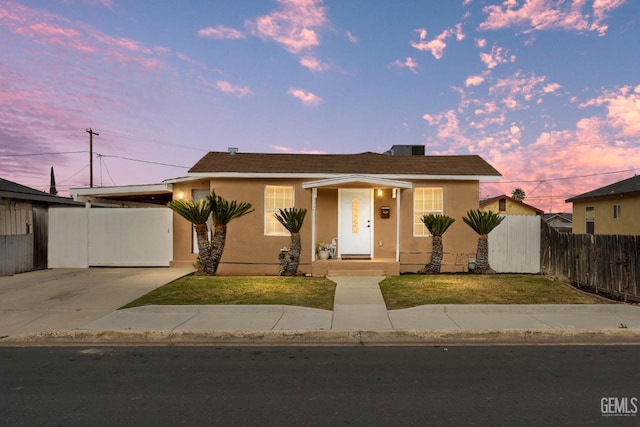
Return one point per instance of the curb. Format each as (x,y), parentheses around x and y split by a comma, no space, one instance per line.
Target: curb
(402,337)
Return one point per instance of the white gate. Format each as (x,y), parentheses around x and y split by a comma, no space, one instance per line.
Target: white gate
(514,245)
(110,237)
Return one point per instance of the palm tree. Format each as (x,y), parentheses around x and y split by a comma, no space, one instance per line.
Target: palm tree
(437,225)
(197,213)
(292,220)
(482,223)
(518,194)
(223,212)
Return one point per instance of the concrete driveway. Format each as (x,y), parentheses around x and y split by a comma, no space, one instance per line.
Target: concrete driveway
(68,298)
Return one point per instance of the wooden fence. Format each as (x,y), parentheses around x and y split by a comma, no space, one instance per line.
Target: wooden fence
(604,264)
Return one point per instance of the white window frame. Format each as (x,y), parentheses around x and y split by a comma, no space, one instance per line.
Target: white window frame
(420,208)
(269,211)
(617,211)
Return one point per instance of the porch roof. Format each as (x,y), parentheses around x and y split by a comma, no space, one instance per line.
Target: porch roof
(355,180)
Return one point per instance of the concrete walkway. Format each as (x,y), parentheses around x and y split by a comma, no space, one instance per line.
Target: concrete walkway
(359,305)
(359,317)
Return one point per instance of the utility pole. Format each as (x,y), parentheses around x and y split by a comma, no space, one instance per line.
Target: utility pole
(91,133)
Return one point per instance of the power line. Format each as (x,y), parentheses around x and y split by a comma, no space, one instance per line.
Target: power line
(569,177)
(146,161)
(152,141)
(43,154)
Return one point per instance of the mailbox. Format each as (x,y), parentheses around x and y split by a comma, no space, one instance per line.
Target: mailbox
(385,211)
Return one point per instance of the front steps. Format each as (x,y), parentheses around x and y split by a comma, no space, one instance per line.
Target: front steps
(340,267)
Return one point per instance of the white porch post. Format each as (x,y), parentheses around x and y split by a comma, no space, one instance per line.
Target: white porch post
(397,191)
(314,196)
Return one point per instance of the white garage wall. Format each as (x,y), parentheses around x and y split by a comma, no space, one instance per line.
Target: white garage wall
(110,237)
(68,238)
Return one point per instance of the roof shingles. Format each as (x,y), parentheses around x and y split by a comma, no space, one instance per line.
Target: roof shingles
(363,163)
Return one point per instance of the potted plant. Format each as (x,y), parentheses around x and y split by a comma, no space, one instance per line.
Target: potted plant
(323,250)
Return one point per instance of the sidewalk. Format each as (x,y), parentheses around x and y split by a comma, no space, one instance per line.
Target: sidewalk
(359,317)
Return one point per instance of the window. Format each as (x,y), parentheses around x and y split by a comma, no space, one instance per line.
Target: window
(590,219)
(616,211)
(502,205)
(590,213)
(276,197)
(426,200)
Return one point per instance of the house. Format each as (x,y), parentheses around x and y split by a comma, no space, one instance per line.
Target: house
(24,226)
(505,205)
(369,205)
(612,209)
(562,222)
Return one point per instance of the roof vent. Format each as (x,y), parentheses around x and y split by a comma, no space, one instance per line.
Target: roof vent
(406,150)
(232,151)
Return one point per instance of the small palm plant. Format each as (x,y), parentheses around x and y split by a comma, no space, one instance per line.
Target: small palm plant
(197,213)
(482,223)
(222,213)
(437,225)
(292,219)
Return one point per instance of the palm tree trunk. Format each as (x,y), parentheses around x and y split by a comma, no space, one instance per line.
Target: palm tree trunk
(204,248)
(436,255)
(293,256)
(219,239)
(482,255)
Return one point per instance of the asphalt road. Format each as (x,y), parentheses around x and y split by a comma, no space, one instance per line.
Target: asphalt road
(455,386)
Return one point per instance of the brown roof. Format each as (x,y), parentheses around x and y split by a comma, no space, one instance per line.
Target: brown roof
(485,202)
(363,163)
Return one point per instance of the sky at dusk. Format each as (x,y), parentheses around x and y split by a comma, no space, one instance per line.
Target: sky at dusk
(546,91)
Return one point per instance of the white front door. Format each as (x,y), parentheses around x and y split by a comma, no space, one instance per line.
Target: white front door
(355,222)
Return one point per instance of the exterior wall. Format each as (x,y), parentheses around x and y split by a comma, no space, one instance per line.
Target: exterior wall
(627,224)
(511,208)
(459,242)
(16,218)
(249,251)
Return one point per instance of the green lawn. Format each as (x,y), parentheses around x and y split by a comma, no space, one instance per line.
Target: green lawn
(413,290)
(399,291)
(202,290)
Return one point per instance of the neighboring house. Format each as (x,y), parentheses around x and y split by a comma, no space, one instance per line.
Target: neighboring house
(24,226)
(612,209)
(505,205)
(369,204)
(563,222)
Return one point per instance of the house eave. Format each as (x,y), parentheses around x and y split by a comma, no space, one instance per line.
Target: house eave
(350,180)
(319,176)
(126,190)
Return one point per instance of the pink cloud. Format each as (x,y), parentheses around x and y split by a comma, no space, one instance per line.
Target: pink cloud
(307,98)
(226,87)
(313,64)
(476,80)
(221,32)
(497,56)
(409,63)
(437,45)
(541,15)
(294,25)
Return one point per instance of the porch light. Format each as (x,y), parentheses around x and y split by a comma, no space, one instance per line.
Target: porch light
(379,192)
(181,195)
(394,193)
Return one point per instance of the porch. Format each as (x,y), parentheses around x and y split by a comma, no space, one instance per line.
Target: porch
(348,267)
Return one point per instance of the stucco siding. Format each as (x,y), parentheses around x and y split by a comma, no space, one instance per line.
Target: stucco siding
(605,223)
(249,251)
